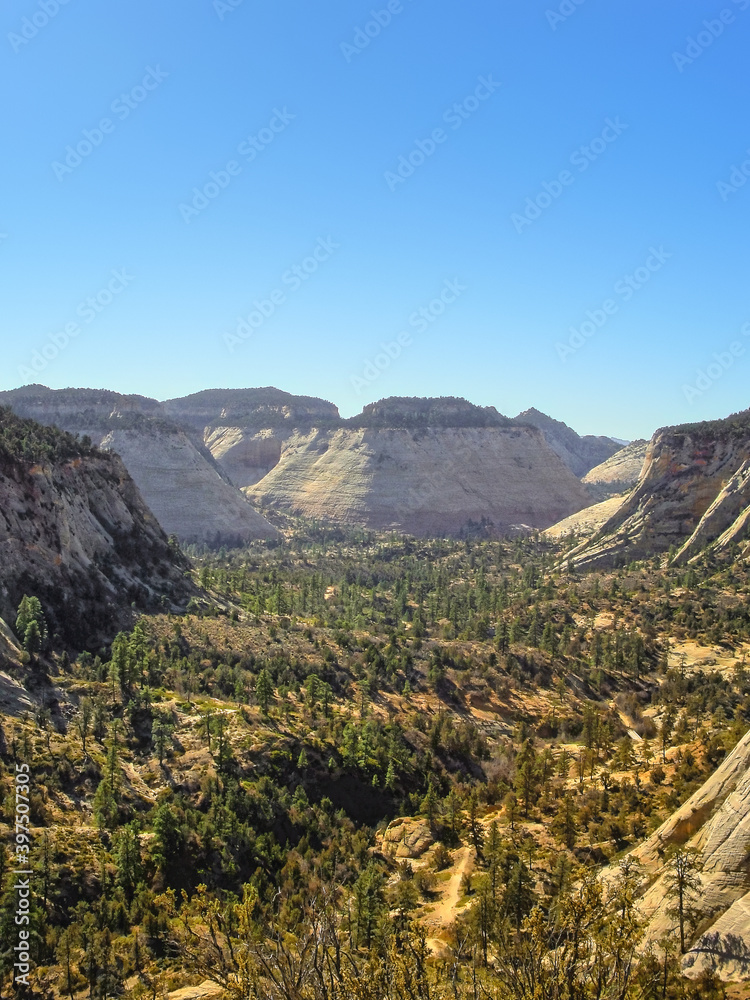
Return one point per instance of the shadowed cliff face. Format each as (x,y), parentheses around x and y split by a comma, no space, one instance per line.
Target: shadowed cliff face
(693,493)
(76,533)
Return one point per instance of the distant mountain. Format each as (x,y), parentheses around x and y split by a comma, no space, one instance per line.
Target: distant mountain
(580,454)
(257,408)
(620,472)
(76,533)
(440,411)
(176,474)
(421,465)
(693,496)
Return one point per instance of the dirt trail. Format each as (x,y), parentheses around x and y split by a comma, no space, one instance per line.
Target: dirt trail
(444,912)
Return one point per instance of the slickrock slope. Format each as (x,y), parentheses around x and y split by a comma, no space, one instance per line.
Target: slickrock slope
(693,494)
(619,473)
(715,821)
(184,490)
(74,531)
(587,521)
(580,453)
(725,521)
(176,475)
(424,467)
(245,429)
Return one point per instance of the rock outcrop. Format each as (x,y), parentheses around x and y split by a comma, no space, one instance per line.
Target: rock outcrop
(692,494)
(579,453)
(618,474)
(725,521)
(424,466)
(715,822)
(588,521)
(175,473)
(76,533)
(424,480)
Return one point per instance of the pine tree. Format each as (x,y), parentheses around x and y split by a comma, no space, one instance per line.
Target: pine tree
(527,775)
(83,720)
(32,640)
(30,611)
(264,690)
(683,883)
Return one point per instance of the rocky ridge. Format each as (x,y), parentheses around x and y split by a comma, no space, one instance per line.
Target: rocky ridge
(579,453)
(693,495)
(75,532)
(176,474)
(417,465)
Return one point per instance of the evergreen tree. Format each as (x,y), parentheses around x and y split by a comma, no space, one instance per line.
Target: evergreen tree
(264,690)
(683,884)
(30,611)
(32,640)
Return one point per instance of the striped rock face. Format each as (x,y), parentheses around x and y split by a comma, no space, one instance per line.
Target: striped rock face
(693,493)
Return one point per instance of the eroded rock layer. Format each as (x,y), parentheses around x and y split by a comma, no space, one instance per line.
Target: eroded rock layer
(693,494)
(74,531)
(175,472)
(426,480)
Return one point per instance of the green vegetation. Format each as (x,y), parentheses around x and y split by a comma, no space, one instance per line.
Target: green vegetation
(358,751)
(27,441)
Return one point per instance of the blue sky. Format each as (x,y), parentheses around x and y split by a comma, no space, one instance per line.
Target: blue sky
(560,168)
